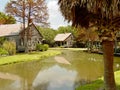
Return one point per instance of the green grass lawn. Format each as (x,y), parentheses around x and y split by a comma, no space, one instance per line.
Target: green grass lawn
(27,57)
(99,84)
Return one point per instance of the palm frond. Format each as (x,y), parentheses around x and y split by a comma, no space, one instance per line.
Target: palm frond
(83,12)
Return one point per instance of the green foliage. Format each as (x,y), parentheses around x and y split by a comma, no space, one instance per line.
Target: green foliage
(2,40)
(41,47)
(67,29)
(118,50)
(28,57)
(96,85)
(79,44)
(46,46)
(10,47)
(3,52)
(6,19)
(48,35)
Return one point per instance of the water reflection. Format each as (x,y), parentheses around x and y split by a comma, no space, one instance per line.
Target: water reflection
(62,60)
(77,68)
(27,73)
(9,76)
(64,79)
(11,80)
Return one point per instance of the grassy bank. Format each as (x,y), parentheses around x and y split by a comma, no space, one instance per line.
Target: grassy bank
(27,57)
(99,84)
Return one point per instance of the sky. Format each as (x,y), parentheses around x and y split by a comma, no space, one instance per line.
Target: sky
(55,17)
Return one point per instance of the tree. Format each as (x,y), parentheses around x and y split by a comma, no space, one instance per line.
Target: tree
(6,19)
(67,29)
(48,35)
(27,10)
(89,36)
(105,15)
(30,11)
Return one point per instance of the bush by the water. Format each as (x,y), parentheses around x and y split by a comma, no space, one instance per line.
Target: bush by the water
(10,47)
(118,50)
(46,46)
(41,47)
(3,52)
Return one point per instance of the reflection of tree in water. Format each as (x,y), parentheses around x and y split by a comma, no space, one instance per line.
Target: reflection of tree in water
(84,65)
(42,86)
(27,71)
(89,67)
(69,54)
(3,83)
(81,82)
(84,74)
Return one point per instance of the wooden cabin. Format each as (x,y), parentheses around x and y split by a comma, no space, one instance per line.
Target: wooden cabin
(24,38)
(64,40)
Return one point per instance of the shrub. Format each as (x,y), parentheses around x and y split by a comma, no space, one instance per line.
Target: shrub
(3,52)
(46,46)
(2,40)
(10,47)
(118,50)
(41,47)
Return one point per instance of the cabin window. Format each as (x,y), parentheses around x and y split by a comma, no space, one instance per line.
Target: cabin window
(29,43)
(21,42)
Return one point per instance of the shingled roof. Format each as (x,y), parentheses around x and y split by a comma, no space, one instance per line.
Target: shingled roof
(10,29)
(62,37)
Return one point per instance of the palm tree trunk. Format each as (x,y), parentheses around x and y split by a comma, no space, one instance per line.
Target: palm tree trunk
(108,65)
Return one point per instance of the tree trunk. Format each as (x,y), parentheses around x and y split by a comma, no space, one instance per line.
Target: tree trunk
(108,52)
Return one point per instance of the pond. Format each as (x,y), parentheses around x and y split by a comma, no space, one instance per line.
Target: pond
(62,72)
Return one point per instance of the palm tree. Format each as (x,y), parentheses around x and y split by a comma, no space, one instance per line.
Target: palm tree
(103,14)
